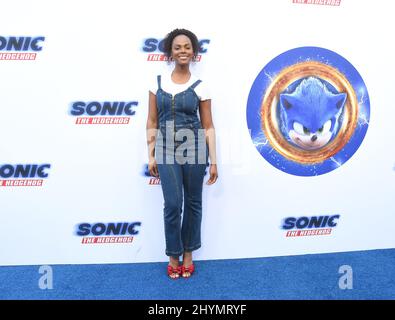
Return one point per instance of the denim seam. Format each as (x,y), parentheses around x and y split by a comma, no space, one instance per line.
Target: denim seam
(189,249)
(188,237)
(170,253)
(179,197)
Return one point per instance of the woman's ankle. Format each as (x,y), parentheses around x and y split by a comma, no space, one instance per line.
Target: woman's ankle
(187,259)
(174,261)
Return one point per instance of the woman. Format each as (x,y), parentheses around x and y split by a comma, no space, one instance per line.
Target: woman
(181,163)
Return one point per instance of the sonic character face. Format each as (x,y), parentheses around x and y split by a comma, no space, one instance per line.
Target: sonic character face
(311,114)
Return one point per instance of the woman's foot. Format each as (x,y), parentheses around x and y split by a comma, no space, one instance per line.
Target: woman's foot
(173,268)
(188,267)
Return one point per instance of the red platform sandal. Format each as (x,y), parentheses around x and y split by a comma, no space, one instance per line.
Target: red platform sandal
(189,269)
(173,273)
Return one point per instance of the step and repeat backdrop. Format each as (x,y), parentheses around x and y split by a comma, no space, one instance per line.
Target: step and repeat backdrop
(302,103)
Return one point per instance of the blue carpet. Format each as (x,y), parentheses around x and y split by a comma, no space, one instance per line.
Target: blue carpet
(292,277)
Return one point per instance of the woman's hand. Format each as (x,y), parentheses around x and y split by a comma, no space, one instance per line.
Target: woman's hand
(153,167)
(213,174)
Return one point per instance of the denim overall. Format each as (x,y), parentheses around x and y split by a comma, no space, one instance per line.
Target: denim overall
(182,154)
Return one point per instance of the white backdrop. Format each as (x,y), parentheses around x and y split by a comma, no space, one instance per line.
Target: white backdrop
(93,52)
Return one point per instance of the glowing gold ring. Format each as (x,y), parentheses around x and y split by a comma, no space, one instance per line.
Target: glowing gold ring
(269,115)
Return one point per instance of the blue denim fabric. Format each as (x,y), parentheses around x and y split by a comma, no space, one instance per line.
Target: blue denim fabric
(182,183)
(181,165)
(178,121)
(181,108)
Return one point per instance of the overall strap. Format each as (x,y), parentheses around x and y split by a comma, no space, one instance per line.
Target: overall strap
(193,86)
(159,78)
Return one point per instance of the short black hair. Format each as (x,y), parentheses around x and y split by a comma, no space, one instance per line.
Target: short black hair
(168,41)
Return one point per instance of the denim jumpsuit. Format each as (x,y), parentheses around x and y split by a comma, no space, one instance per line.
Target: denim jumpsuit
(181,153)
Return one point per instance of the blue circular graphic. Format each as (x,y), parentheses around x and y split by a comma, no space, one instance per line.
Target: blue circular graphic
(302,126)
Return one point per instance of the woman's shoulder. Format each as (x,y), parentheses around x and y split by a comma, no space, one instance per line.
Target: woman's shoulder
(195,79)
(201,88)
(201,81)
(154,82)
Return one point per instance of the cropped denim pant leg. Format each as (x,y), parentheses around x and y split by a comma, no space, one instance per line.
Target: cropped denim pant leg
(182,184)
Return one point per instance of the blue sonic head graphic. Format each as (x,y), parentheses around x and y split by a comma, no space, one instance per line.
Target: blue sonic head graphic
(308,111)
(311,113)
